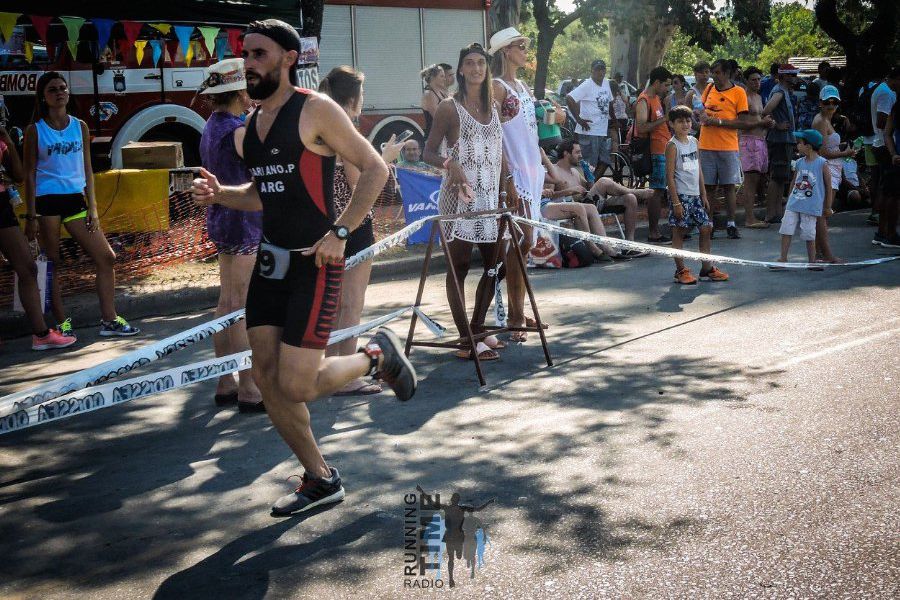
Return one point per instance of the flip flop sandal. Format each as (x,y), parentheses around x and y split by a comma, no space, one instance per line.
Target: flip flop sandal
(529,322)
(484,353)
(493,343)
(518,337)
(759,225)
(251,407)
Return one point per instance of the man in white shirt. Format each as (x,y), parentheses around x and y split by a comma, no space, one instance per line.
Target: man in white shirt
(883,99)
(591,105)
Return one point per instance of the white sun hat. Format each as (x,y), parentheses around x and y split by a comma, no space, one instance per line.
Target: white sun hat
(504,38)
(224,76)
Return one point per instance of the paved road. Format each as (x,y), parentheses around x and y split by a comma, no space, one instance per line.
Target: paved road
(730,440)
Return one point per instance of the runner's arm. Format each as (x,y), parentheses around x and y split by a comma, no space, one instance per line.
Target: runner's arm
(30,155)
(670,174)
(829,193)
(93,220)
(337,132)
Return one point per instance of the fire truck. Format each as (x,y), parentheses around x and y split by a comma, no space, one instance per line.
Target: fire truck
(122,101)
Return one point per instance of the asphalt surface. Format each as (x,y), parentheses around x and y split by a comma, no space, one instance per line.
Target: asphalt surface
(734,440)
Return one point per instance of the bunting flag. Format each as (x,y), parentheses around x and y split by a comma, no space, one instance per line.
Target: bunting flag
(124,49)
(183,35)
(189,55)
(209,38)
(235,41)
(157,46)
(139,46)
(221,47)
(7,23)
(73,27)
(104,28)
(132,30)
(41,24)
(163,28)
(172,47)
(29,52)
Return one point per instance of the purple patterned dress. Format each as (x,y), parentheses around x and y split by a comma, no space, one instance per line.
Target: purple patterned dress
(232,231)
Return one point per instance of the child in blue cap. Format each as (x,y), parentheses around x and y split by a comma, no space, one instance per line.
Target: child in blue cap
(810,197)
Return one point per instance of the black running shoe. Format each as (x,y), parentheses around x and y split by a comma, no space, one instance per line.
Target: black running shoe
(396,370)
(890,242)
(733,232)
(311,492)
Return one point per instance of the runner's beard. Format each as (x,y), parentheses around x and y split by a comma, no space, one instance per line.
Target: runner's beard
(265,85)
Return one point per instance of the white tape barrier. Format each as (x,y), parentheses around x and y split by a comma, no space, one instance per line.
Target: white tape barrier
(112,394)
(116,366)
(124,364)
(672,252)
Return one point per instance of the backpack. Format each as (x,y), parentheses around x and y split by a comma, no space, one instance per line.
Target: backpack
(862,112)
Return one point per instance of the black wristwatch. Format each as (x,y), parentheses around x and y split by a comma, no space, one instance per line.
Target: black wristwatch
(340,232)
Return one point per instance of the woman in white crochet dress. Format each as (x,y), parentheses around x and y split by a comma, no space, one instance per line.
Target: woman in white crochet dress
(470,123)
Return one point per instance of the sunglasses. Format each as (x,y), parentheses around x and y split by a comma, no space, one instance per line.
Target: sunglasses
(831,102)
(520,45)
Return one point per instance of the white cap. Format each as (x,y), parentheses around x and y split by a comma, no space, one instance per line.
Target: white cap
(225,76)
(504,38)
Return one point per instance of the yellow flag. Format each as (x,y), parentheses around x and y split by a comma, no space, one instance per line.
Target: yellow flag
(163,28)
(29,52)
(189,55)
(139,50)
(7,23)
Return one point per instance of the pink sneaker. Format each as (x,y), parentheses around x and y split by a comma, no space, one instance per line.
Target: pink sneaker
(53,339)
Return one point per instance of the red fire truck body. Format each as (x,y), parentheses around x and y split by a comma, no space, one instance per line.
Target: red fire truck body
(121,101)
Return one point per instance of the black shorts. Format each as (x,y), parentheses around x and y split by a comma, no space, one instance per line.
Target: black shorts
(360,238)
(780,158)
(60,205)
(7,216)
(304,304)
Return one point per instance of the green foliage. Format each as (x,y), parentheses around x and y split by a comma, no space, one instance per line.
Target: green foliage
(794,32)
(572,53)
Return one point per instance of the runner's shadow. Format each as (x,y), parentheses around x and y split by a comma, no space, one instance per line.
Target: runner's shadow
(225,575)
(677,297)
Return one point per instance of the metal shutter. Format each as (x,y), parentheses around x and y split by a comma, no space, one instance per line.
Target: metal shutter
(336,47)
(389,42)
(448,31)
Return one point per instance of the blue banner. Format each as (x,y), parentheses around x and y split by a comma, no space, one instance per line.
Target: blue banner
(420,199)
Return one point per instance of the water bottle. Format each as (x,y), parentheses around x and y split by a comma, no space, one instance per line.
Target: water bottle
(14,197)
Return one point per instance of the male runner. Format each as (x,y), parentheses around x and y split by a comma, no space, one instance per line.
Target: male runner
(289,146)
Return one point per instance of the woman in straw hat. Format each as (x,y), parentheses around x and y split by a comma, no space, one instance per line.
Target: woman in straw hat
(235,233)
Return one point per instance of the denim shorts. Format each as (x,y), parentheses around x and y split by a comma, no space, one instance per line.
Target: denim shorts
(595,148)
(658,172)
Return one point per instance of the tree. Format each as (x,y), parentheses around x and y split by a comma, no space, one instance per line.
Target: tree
(795,33)
(552,22)
(503,14)
(312,12)
(866,30)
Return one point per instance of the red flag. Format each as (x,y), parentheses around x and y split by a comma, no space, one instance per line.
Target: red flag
(132,30)
(40,25)
(235,41)
(172,47)
(124,49)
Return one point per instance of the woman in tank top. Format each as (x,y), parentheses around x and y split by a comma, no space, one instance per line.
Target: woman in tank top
(509,50)
(829,100)
(60,190)
(344,85)
(470,123)
(236,233)
(435,92)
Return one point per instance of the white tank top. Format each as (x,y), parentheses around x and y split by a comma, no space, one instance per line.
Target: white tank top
(835,165)
(60,159)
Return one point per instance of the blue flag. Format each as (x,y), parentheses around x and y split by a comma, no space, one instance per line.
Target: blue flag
(420,199)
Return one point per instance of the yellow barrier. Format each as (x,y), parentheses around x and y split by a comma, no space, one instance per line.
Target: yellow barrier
(130,200)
